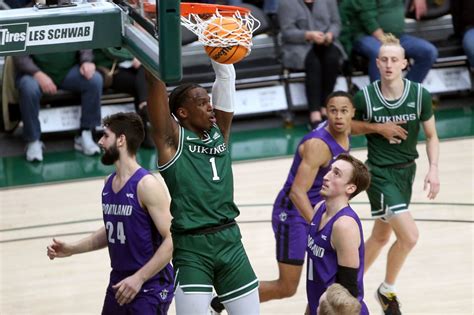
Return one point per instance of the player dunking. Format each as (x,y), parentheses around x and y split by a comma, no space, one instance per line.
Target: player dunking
(335,243)
(136,228)
(312,160)
(194,160)
(391,160)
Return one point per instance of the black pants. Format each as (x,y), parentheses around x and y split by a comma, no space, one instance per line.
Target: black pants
(133,82)
(322,65)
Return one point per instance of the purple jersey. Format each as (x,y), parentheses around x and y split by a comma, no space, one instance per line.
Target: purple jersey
(282,201)
(322,258)
(132,236)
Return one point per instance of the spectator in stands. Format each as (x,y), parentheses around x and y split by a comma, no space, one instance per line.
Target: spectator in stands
(366,21)
(309,32)
(463,23)
(270,7)
(45,74)
(122,72)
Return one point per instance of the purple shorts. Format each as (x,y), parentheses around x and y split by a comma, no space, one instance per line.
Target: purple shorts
(291,235)
(151,300)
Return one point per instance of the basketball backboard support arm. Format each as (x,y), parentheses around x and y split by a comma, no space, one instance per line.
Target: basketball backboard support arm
(169,22)
(144,47)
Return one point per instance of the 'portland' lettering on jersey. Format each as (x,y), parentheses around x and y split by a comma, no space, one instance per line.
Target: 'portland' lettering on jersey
(114,209)
(314,248)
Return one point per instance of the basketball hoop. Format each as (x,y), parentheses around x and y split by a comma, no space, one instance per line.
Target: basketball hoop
(199,18)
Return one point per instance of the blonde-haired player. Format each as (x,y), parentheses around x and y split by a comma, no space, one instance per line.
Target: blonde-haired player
(337,300)
(401,105)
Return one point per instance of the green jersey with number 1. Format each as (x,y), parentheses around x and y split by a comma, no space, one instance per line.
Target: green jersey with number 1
(200,181)
(412,107)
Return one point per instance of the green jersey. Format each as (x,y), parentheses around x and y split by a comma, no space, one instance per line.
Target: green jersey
(200,181)
(413,106)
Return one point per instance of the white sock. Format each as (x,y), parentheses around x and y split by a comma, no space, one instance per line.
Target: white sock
(386,288)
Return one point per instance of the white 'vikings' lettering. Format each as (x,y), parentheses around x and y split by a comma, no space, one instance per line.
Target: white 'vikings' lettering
(193,148)
(395,118)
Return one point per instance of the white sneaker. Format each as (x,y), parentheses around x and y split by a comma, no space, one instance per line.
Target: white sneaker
(34,151)
(86,144)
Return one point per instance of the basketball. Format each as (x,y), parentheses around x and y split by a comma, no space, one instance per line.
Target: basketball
(229,29)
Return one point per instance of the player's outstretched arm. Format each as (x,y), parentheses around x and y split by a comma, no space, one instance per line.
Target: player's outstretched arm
(223,96)
(165,131)
(154,199)
(59,249)
(392,131)
(432,150)
(314,154)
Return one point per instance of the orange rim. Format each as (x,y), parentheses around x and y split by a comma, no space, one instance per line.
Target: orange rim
(207,8)
(201,8)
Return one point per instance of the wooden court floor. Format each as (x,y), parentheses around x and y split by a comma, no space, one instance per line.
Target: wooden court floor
(437,278)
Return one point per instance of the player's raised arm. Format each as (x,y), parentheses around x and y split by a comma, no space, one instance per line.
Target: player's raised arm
(223,96)
(165,131)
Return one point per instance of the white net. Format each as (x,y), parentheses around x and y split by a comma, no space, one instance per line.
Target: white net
(222,31)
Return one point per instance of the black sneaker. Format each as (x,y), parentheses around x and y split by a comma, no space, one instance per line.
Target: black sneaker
(390,304)
(216,306)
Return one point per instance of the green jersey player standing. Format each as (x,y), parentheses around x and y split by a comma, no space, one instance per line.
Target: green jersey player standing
(191,137)
(389,112)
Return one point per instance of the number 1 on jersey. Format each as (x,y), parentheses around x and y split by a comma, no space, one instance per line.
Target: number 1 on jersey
(212,160)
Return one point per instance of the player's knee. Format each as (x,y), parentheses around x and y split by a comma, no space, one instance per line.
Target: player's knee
(380,239)
(408,242)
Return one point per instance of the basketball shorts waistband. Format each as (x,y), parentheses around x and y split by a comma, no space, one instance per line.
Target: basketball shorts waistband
(397,165)
(211,229)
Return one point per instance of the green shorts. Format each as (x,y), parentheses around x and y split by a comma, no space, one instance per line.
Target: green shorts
(390,190)
(204,261)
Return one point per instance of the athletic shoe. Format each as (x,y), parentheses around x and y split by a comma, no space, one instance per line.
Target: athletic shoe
(34,151)
(389,303)
(86,144)
(216,306)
